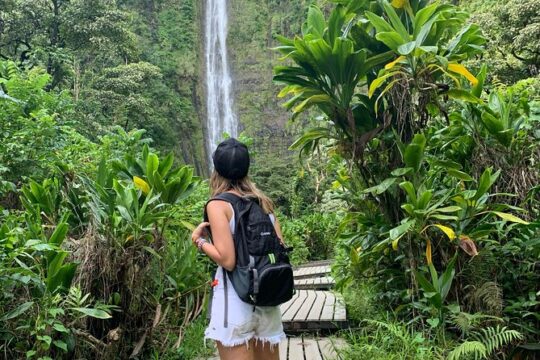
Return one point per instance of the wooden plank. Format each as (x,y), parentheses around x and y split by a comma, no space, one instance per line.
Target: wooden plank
(302,272)
(314,263)
(311,271)
(303,312)
(283,347)
(295,306)
(296,349)
(320,283)
(284,307)
(316,310)
(328,308)
(311,349)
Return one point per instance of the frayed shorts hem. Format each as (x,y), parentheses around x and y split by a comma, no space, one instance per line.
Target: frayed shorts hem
(272,340)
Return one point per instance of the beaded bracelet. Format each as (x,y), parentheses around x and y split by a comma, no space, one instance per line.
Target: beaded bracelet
(200,242)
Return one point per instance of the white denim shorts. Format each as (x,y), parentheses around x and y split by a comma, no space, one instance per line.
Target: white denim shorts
(244,321)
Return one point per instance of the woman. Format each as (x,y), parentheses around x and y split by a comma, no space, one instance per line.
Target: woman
(252,332)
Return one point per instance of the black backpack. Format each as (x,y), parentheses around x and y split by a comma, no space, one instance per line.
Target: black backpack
(263,274)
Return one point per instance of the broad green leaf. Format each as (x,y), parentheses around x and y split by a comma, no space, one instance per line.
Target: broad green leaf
(430,292)
(124,212)
(447,278)
(396,22)
(390,39)
(424,199)
(485,183)
(166,165)
(459,175)
(424,32)
(315,99)
(379,23)
(59,234)
(409,189)
(152,165)
(422,16)
(17,311)
(448,209)
(382,187)
(61,345)
(400,230)
(95,313)
(433,322)
(510,217)
(56,263)
(477,89)
(60,328)
(62,279)
(402,171)
(406,48)
(443,217)
(45,338)
(463,95)
(414,152)
(315,21)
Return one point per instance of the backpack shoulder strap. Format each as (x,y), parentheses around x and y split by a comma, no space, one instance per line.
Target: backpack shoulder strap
(231,198)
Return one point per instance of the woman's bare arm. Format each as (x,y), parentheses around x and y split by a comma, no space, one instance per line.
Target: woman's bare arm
(222,249)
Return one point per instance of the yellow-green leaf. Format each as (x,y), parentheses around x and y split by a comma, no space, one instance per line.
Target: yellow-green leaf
(375,84)
(395,244)
(462,70)
(428,253)
(398,4)
(141,184)
(448,231)
(390,65)
(510,217)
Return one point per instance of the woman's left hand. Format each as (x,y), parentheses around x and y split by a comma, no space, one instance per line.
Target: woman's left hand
(199,232)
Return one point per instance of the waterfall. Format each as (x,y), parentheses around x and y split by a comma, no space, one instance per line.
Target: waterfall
(220,115)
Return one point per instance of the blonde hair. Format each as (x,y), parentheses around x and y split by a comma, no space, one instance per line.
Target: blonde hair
(245,187)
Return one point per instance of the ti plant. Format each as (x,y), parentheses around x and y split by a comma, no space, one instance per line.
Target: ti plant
(436,290)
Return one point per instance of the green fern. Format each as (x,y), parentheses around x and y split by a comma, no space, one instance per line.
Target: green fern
(485,342)
(466,322)
(496,337)
(396,330)
(467,348)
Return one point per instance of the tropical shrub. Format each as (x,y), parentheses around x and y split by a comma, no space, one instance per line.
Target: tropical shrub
(430,154)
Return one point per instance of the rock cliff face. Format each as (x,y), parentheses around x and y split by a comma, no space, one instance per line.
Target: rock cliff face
(253,25)
(171,36)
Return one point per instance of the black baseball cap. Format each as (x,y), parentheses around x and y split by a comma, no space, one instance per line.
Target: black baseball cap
(231,159)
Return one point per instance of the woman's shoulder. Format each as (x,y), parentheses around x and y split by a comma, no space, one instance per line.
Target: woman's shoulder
(219,207)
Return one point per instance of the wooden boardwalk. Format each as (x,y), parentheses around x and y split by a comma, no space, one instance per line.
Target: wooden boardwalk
(311,271)
(315,283)
(309,348)
(310,310)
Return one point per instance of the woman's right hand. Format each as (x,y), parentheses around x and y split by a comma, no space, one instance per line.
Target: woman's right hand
(199,231)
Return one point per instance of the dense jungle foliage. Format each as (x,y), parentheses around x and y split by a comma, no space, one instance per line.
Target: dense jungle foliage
(414,165)
(436,156)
